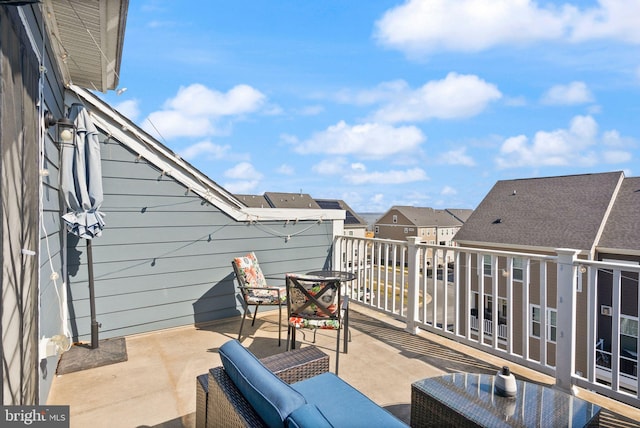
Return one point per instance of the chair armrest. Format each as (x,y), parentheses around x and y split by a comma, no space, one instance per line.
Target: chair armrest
(219,403)
(298,364)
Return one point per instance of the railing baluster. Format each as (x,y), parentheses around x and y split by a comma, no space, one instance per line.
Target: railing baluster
(613,374)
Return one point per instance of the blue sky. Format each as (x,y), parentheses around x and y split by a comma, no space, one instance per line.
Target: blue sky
(425,103)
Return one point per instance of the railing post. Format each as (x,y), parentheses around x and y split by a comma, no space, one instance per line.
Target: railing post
(413,298)
(566,315)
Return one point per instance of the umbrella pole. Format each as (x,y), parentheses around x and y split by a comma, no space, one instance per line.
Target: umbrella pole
(92,297)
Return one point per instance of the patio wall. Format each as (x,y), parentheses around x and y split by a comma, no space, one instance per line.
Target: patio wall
(164,259)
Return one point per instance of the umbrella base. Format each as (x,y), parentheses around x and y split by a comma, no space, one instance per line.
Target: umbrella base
(82,356)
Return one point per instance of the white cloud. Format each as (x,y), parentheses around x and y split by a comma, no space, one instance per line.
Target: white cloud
(457,157)
(579,145)
(611,19)
(358,166)
(172,123)
(330,166)
(368,140)
(129,109)
(285,169)
(313,110)
(196,110)
(384,91)
(455,96)
(246,178)
(377,198)
(388,177)
(246,186)
(571,94)
(617,156)
(199,100)
(204,149)
(243,170)
(419,27)
(614,139)
(448,190)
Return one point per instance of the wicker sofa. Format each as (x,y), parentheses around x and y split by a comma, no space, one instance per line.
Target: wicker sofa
(291,389)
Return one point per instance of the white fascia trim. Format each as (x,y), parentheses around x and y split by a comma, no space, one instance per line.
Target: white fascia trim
(293,214)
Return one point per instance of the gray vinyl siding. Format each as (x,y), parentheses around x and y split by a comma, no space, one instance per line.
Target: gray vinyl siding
(51,316)
(36,288)
(164,259)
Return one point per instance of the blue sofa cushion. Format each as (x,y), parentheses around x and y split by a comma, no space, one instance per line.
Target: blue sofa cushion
(342,405)
(307,416)
(270,397)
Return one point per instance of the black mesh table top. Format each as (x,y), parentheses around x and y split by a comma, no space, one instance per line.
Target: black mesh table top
(341,275)
(465,399)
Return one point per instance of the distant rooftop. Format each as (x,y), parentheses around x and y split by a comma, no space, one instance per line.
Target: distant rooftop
(552,212)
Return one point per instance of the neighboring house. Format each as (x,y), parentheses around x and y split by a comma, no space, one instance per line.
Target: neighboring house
(432,226)
(164,258)
(290,200)
(254,201)
(354,225)
(595,214)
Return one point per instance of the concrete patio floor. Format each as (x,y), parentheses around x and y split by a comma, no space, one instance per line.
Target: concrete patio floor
(156,386)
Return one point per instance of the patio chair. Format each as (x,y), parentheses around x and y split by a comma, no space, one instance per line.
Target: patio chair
(255,291)
(314,303)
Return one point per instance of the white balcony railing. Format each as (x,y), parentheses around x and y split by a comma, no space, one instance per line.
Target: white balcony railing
(538,316)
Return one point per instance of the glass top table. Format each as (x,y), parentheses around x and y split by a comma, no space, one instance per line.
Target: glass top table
(465,399)
(341,275)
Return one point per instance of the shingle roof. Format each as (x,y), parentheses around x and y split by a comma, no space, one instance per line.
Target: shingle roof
(551,212)
(459,213)
(428,217)
(291,200)
(254,201)
(622,231)
(352,219)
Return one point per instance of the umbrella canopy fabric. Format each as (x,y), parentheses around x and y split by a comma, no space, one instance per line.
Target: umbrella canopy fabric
(81,177)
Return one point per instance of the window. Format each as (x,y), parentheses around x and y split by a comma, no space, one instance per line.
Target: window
(486,263)
(552,326)
(395,219)
(518,269)
(628,344)
(536,323)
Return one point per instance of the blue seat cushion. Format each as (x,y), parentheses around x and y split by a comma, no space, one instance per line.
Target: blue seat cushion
(342,405)
(270,397)
(307,416)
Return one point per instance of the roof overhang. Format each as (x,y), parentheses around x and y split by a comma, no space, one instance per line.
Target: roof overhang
(87,37)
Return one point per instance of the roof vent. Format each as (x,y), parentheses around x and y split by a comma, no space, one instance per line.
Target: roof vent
(497,221)
(514,193)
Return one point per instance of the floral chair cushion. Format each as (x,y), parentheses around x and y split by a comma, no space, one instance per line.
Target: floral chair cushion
(255,289)
(305,312)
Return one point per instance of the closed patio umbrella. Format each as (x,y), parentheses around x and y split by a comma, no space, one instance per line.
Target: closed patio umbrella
(81,185)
